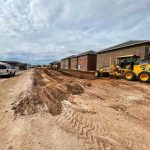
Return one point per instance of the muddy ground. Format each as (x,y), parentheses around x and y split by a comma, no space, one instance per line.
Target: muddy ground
(69,110)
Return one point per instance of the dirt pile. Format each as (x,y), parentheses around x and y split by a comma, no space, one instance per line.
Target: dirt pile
(29,103)
(45,95)
(52,98)
(75,89)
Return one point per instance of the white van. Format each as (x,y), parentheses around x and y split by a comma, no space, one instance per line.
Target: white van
(7,70)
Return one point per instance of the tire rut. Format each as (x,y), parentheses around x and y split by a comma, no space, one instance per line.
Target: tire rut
(95,131)
(84,128)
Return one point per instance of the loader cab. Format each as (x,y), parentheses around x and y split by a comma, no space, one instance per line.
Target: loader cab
(128,61)
(142,62)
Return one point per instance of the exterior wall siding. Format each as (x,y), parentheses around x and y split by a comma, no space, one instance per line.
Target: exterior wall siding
(103,59)
(73,63)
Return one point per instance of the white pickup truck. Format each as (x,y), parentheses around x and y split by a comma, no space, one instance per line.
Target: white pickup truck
(7,70)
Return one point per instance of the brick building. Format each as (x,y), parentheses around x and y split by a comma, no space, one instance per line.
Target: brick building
(74,62)
(87,61)
(66,62)
(138,48)
(54,63)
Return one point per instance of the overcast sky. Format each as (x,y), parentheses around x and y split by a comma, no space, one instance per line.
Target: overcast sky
(40,31)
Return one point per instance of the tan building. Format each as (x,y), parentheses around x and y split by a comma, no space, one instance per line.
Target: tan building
(138,48)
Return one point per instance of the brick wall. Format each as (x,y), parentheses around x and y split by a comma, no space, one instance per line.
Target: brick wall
(73,63)
(62,64)
(65,64)
(103,59)
(91,62)
(87,62)
(83,63)
(147,53)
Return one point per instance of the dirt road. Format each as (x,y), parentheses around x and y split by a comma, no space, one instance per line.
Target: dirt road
(62,110)
(6,78)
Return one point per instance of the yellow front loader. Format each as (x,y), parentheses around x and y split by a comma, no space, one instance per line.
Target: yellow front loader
(140,71)
(128,67)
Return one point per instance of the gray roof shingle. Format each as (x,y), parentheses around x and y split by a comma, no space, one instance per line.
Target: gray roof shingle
(54,62)
(81,54)
(72,56)
(87,53)
(125,44)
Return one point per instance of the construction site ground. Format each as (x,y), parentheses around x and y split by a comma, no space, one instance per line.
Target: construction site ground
(44,109)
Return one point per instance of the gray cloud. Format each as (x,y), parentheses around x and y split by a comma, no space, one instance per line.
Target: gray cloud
(39,31)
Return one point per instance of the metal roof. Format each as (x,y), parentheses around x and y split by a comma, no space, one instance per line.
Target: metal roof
(123,45)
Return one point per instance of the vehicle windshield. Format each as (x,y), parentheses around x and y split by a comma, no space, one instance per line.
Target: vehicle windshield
(2,67)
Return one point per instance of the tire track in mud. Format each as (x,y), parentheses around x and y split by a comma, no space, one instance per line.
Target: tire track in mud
(95,131)
(85,127)
(52,75)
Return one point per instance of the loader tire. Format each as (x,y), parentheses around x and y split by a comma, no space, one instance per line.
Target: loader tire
(144,77)
(9,75)
(130,76)
(105,74)
(97,74)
